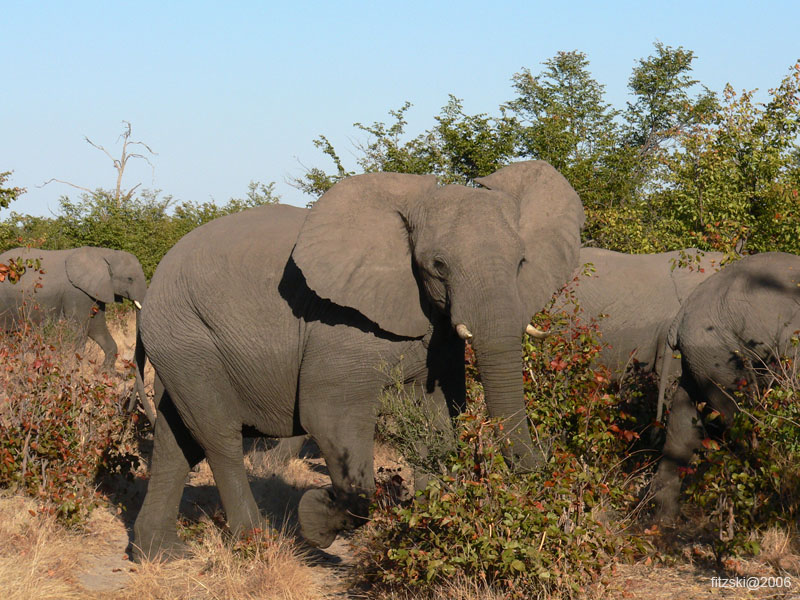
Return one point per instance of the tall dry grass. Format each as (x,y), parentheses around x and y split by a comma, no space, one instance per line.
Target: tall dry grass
(42,560)
(269,566)
(37,556)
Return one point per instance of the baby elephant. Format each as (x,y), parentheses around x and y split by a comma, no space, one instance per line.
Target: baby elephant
(734,323)
(74,284)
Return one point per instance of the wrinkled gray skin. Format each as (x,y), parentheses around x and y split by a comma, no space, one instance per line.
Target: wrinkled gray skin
(76,285)
(635,298)
(733,324)
(283,321)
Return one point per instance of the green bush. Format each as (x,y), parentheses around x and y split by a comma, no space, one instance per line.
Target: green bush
(62,427)
(552,531)
(408,423)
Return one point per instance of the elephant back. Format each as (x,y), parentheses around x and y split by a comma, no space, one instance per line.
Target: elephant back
(221,270)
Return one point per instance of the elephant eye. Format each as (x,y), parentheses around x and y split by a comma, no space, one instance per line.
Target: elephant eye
(439,266)
(519,266)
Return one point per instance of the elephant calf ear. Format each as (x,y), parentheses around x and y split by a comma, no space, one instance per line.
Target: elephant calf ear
(550,221)
(88,271)
(354,249)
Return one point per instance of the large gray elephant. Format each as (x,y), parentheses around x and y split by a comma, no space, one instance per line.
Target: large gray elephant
(75,284)
(281,321)
(732,325)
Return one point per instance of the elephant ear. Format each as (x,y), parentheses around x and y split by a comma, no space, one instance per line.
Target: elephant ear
(354,249)
(550,221)
(88,271)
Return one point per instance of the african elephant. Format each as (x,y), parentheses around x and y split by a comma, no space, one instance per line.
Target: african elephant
(731,325)
(282,321)
(76,284)
(635,297)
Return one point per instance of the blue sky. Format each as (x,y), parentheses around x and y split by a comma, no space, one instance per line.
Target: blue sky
(231,92)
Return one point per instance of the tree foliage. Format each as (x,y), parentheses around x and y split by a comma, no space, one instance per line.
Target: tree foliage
(8,194)
(679,166)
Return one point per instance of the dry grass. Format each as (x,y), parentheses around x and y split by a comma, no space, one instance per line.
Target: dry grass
(779,549)
(37,557)
(271,567)
(458,589)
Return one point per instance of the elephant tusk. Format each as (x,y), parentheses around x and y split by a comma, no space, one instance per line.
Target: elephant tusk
(137,304)
(536,333)
(463,332)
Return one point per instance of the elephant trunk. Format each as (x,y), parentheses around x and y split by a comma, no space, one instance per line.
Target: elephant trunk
(500,363)
(137,294)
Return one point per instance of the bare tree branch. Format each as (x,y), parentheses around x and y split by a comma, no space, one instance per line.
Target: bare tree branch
(119,163)
(91,143)
(66,183)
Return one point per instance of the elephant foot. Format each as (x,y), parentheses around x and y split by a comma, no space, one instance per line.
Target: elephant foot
(321,519)
(159,547)
(665,494)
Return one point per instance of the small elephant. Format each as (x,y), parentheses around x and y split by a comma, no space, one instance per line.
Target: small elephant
(733,324)
(281,321)
(75,284)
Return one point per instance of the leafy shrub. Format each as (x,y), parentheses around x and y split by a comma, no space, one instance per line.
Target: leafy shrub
(61,427)
(550,531)
(407,423)
(748,479)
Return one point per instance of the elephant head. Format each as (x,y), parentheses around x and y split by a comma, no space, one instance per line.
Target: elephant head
(404,251)
(105,274)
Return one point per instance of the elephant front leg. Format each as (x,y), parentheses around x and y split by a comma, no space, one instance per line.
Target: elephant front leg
(684,435)
(344,429)
(287,448)
(98,331)
(324,512)
(174,454)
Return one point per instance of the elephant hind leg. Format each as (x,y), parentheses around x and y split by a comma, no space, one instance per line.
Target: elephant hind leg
(216,425)
(174,454)
(684,434)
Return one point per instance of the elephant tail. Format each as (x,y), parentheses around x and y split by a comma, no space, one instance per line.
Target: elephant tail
(139,391)
(670,344)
